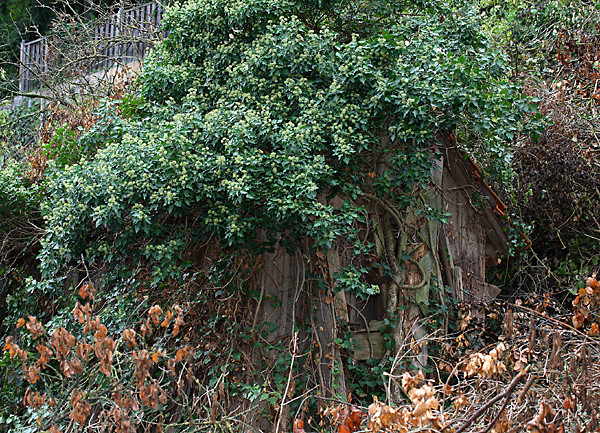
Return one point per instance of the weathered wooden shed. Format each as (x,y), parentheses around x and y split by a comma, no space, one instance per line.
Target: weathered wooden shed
(458,253)
(455,254)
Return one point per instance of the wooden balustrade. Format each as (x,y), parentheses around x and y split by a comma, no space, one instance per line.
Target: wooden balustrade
(120,38)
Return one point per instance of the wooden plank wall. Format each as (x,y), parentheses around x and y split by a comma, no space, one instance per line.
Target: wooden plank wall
(288,297)
(466,234)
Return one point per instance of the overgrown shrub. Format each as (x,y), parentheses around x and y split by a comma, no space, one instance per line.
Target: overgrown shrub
(251,116)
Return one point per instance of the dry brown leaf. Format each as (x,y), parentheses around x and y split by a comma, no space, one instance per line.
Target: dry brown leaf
(34,327)
(299,426)
(154,313)
(129,336)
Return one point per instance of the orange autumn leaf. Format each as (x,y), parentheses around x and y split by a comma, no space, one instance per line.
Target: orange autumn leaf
(33,399)
(141,360)
(579,318)
(45,354)
(182,353)
(92,324)
(83,350)
(71,368)
(143,330)
(62,341)
(86,291)
(32,374)
(101,332)
(76,396)
(167,319)
(34,327)
(20,322)
(355,418)
(343,428)
(352,420)
(78,314)
(81,408)
(178,324)
(81,312)
(10,347)
(299,426)
(569,404)
(156,356)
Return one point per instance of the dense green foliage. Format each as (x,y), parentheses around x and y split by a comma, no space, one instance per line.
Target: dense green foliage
(247,115)
(15,18)
(528,31)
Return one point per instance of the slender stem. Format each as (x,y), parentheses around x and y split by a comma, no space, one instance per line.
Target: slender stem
(506,394)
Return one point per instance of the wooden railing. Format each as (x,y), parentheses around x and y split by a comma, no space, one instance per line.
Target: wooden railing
(118,39)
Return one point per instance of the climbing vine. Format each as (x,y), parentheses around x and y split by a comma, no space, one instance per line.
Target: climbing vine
(243,127)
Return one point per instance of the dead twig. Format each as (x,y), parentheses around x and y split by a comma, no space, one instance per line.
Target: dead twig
(506,394)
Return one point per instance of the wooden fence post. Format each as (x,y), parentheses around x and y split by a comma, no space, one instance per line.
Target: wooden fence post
(119,47)
(21,68)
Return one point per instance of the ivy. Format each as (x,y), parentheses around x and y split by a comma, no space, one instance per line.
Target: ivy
(250,116)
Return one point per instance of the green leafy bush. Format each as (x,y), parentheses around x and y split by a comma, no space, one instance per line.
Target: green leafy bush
(255,114)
